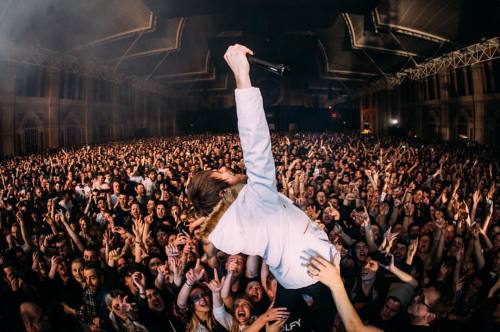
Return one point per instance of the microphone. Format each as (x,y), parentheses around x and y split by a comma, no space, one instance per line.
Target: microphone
(278,69)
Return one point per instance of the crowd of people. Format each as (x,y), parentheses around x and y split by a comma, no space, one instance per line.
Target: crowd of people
(104,238)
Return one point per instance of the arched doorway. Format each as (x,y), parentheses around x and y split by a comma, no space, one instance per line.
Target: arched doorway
(461,126)
(72,132)
(431,124)
(31,143)
(72,136)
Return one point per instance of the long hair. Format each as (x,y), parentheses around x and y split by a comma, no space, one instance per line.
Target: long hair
(194,322)
(218,211)
(204,191)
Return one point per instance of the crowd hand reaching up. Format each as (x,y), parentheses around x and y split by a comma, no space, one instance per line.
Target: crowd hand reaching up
(176,265)
(140,282)
(476,197)
(163,273)
(312,213)
(171,250)
(412,250)
(113,256)
(54,263)
(181,239)
(236,58)
(275,318)
(138,230)
(215,285)
(196,274)
(124,308)
(324,271)
(365,218)
(389,239)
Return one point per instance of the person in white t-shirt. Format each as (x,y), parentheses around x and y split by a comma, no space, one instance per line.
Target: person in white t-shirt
(150,183)
(254,218)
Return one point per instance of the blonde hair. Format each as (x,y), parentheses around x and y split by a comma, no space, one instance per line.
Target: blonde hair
(194,323)
(230,195)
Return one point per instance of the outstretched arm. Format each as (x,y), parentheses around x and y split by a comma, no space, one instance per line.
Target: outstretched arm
(329,274)
(252,126)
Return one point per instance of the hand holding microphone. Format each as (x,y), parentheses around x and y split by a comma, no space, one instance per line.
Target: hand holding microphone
(239,57)
(236,58)
(278,69)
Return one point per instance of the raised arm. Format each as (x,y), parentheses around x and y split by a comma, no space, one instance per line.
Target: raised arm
(252,126)
(329,274)
(72,234)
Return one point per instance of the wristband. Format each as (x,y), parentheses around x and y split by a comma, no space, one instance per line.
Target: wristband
(189,285)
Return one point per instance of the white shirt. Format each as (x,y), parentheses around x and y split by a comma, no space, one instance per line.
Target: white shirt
(149,186)
(261,221)
(136,178)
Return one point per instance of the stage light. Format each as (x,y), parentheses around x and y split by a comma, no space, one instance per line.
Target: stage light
(393,121)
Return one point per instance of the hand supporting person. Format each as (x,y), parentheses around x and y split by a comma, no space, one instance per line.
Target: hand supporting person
(329,274)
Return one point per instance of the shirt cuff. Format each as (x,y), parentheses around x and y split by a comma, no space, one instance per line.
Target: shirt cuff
(245,90)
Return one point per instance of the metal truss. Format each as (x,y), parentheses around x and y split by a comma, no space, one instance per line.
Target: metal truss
(468,56)
(56,62)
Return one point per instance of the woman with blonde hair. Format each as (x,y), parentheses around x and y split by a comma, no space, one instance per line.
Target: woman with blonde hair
(194,305)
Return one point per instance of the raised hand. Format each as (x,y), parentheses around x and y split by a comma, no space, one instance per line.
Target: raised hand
(181,239)
(326,272)
(236,58)
(55,261)
(138,229)
(440,224)
(175,265)
(476,197)
(199,271)
(195,274)
(275,314)
(312,213)
(444,198)
(276,326)
(163,270)
(365,217)
(149,219)
(171,250)
(215,285)
(124,308)
(113,257)
(413,247)
(139,281)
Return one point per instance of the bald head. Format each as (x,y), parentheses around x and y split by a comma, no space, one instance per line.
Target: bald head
(34,319)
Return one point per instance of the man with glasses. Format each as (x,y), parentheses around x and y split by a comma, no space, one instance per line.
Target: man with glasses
(421,312)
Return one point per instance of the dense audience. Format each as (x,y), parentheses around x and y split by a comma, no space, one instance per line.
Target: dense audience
(104,238)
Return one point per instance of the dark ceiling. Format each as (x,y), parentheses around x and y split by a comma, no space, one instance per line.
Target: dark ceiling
(335,45)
